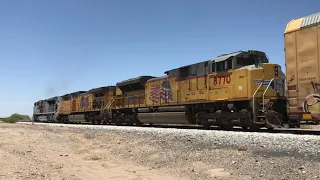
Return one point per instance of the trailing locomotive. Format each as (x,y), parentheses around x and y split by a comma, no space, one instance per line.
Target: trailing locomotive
(86,106)
(237,89)
(46,110)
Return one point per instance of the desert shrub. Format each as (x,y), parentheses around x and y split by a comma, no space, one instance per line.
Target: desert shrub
(16,117)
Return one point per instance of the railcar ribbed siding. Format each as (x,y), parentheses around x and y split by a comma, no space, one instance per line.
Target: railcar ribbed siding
(311,20)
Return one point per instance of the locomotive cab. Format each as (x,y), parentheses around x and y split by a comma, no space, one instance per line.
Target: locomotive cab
(238,60)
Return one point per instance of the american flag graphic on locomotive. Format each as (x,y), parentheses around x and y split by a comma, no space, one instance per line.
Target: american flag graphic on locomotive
(163,92)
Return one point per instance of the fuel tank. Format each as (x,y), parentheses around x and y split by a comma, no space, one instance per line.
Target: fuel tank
(165,115)
(77,118)
(42,118)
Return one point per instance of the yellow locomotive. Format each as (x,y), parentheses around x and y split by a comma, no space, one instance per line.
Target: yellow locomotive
(86,106)
(240,88)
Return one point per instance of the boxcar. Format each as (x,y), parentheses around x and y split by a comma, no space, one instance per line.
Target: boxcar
(302,56)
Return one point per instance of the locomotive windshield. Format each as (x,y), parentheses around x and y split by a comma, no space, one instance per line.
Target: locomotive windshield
(251,58)
(237,60)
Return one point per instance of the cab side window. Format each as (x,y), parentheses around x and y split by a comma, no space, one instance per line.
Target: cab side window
(184,73)
(224,65)
(213,67)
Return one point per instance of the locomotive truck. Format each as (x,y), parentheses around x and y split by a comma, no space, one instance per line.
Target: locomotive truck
(236,89)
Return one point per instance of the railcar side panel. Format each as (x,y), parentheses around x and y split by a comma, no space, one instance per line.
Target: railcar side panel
(65,107)
(162,91)
(308,70)
(118,99)
(75,104)
(197,90)
(131,93)
(240,83)
(291,72)
(302,54)
(110,97)
(202,86)
(220,87)
(85,103)
(184,91)
(133,99)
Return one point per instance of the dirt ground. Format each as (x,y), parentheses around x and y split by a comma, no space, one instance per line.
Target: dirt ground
(33,152)
(60,152)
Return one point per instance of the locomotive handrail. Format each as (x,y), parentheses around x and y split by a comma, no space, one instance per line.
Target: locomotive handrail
(265,93)
(253,103)
(109,104)
(107,107)
(110,107)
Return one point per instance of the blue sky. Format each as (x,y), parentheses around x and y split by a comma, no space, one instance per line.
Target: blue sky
(50,48)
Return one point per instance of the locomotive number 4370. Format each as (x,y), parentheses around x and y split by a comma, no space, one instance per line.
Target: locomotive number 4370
(221,79)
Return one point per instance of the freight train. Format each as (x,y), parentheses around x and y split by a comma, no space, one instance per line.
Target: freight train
(236,89)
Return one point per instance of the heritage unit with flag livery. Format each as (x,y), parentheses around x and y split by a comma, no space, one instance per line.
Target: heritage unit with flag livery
(218,92)
(235,89)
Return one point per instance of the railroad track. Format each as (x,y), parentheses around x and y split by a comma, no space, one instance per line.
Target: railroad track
(239,129)
(284,130)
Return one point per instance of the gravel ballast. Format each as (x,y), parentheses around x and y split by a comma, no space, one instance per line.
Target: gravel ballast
(211,154)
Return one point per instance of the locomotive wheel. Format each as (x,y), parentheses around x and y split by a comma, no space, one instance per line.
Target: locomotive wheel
(129,123)
(66,120)
(245,127)
(118,121)
(138,123)
(273,119)
(292,126)
(255,127)
(226,126)
(206,126)
(93,121)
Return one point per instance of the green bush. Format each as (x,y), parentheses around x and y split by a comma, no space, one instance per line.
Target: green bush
(16,117)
